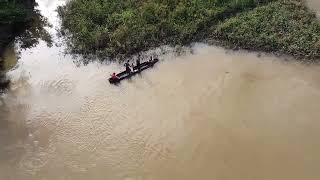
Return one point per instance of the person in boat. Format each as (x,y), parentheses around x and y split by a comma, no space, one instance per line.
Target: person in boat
(127,65)
(114,76)
(151,59)
(138,63)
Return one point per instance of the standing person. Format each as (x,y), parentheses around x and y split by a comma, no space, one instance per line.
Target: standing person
(151,59)
(127,65)
(138,63)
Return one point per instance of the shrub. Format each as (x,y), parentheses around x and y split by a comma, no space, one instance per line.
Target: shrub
(283,26)
(115,28)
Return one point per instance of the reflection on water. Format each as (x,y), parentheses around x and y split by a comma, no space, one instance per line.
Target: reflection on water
(10,57)
(26,35)
(35,31)
(9,61)
(208,115)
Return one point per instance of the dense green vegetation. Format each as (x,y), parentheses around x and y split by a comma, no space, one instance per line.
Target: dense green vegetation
(22,23)
(119,29)
(12,12)
(122,28)
(282,26)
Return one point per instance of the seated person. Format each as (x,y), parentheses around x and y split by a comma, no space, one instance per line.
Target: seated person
(114,76)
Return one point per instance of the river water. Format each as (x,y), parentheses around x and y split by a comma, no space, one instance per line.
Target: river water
(212,114)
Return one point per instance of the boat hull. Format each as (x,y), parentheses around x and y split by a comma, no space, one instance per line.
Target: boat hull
(136,70)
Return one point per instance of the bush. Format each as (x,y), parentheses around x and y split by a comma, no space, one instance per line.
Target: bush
(115,28)
(285,26)
(11,12)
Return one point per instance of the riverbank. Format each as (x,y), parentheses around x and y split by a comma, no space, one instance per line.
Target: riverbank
(119,30)
(21,25)
(21,22)
(281,27)
(13,17)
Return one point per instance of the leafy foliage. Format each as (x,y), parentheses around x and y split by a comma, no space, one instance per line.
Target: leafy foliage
(23,23)
(285,26)
(115,28)
(11,12)
(19,22)
(121,28)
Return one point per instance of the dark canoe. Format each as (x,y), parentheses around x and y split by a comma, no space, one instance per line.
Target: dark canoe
(136,70)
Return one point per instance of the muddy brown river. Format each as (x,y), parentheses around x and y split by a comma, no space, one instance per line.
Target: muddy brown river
(210,114)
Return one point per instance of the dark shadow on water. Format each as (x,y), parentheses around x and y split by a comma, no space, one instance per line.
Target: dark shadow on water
(34,32)
(20,34)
